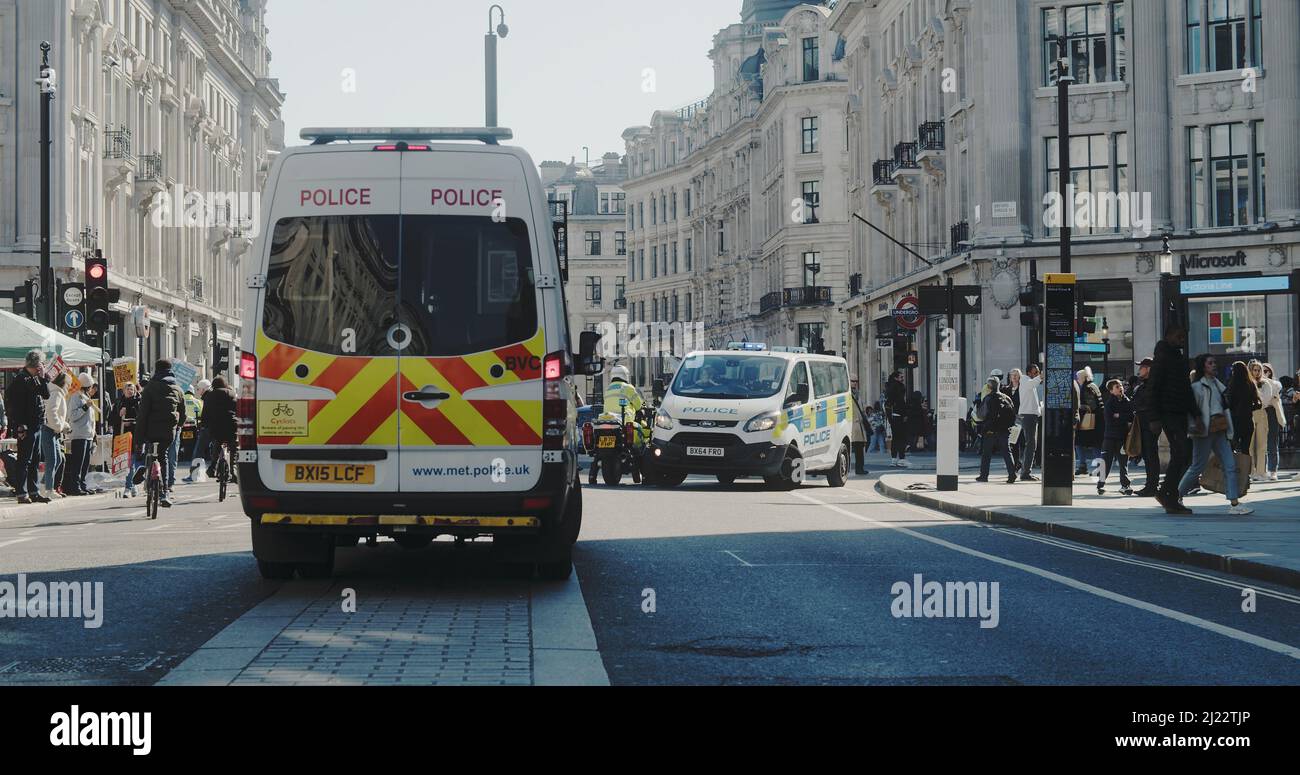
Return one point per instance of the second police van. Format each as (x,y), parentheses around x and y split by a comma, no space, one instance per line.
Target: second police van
(782,414)
(407,367)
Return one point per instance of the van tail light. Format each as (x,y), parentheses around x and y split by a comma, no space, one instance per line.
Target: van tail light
(588,436)
(555,406)
(630,431)
(247,421)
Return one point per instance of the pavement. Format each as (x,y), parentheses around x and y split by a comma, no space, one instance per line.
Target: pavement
(1264,545)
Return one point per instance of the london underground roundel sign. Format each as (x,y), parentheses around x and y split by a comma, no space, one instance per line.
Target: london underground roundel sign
(907,313)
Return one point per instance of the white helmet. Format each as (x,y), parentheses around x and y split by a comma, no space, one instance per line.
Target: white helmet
(620,372)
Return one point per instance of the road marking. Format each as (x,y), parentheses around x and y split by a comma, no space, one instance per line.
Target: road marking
(1174,569)
(1169,613)
(13,541)
(737,558)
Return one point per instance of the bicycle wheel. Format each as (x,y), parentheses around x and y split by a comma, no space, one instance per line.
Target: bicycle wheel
(223,477)
(151,502)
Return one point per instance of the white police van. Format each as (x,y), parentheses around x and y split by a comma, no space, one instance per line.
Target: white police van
(750,410)
(407,367)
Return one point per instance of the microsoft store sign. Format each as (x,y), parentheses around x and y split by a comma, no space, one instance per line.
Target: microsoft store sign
(1238,260)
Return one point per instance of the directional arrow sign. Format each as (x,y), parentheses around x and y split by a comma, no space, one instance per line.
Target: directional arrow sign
(74,319)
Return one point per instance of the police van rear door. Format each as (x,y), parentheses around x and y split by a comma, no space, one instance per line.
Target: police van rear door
(471,374)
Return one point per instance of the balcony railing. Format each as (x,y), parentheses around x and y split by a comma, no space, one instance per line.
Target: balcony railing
(806,296)
(620,303)
(769,302)
(151,167)
(959,233)
(905,157)
(88,239)
(931,136)
(882,172)
(117,144)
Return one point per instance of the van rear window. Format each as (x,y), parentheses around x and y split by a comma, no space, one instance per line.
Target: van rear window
(341,284)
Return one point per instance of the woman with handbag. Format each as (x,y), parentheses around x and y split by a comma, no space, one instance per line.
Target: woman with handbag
(1259,419)
(1243,400)
(1210,427)
(1276,421)
(1088,440)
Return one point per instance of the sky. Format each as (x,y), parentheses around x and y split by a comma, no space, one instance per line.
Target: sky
(570,72)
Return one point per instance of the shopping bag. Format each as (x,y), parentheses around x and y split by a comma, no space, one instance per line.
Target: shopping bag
(1212,477)
(1133,442)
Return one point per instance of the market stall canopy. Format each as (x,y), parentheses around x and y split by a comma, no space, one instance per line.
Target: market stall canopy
(18,336)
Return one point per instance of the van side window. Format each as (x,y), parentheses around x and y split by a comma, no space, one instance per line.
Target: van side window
(829,378)
(798,377)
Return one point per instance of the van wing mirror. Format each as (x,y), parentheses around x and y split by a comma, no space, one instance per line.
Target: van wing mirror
(589,363)
(658,388)
(800,396)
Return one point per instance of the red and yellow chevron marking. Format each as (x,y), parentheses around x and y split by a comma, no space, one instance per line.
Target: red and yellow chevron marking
(365,409)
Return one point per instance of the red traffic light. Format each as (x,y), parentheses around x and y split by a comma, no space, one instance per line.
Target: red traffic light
(95,271)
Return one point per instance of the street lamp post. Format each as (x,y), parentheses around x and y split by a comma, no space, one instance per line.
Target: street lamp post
(48,86)
(1061,312)
(490,63)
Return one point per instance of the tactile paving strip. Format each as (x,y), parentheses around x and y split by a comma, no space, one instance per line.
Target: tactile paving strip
(447,637)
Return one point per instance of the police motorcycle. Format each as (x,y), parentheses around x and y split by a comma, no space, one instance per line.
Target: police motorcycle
(616,441)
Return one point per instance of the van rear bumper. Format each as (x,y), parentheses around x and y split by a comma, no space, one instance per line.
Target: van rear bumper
(530,511)
(761,459)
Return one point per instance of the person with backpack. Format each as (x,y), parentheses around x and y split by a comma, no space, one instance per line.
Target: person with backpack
(999,414)
(1119,419)
(159,419)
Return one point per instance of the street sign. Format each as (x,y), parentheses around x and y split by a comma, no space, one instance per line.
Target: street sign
(907,313)
(967,299)
(74,319)
(885,343)
(1058,390)
(73,295)
(949,419)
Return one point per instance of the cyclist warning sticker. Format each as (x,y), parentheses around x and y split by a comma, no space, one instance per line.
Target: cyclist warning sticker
(282,418)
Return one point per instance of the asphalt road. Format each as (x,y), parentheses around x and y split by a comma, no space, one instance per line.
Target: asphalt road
(702,584)
(756,587)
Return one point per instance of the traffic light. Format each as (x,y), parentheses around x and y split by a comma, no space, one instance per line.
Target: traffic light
(1087,323)
(913,359)
(220,358)
(98,296)
(1031,298)
(24,300)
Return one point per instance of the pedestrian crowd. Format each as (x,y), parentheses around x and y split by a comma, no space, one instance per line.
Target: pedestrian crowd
(56,429)
(1224,424)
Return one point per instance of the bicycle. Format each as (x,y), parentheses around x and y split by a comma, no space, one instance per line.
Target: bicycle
(223,472)
(154,487)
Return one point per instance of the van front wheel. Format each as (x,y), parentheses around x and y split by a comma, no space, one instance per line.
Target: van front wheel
(839,475)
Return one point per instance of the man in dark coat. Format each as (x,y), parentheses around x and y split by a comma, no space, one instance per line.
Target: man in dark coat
(23,400)
(161,414)
(1172,401)
(220,420)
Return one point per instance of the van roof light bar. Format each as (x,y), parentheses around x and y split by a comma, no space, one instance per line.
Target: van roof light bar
(327,135)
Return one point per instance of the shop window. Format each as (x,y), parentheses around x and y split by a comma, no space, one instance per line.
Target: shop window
(1231,326)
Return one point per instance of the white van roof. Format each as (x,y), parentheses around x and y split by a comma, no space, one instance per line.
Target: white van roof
(326,135)
(783,354)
